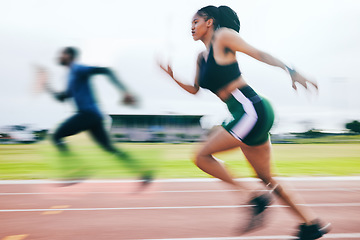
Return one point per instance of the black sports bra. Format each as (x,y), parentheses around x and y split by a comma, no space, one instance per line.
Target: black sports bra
(214,76)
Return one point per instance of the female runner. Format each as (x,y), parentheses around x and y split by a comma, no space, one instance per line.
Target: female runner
(218,71)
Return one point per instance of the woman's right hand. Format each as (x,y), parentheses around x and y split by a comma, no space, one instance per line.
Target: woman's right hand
(193,89)
(167,69)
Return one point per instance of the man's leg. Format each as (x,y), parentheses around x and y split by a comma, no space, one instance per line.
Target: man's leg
(70,166)
(71,126)
(101,136)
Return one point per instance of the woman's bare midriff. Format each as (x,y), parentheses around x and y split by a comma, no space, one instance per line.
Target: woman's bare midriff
(225,92)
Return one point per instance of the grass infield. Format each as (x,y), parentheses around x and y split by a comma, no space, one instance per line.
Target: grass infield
(38,161)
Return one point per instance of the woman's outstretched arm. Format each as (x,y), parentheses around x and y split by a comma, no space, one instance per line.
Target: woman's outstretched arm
(231,39)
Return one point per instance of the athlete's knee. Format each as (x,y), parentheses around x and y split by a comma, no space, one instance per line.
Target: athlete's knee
(196,159)
(56,138)
(201,158)
(58,141)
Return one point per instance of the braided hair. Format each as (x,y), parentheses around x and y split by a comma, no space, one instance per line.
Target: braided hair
(222,16)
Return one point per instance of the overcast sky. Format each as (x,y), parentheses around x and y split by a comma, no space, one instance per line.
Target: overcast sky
(320,38)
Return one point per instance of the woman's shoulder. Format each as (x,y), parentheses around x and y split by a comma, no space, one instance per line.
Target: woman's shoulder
(228,39)
(225,33)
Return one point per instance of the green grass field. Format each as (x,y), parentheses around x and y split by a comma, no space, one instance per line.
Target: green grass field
(37,161)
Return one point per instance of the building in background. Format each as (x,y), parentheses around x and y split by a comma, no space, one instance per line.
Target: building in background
(17,134)
(157,128)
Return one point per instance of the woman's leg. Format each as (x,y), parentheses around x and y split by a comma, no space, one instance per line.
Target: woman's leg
(219,141)
(260,159)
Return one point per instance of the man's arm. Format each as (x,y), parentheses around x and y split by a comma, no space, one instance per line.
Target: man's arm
(128,98)
(60,96)
(42,78)
(111,75)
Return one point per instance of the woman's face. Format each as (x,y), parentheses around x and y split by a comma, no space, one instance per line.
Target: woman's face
(199,27)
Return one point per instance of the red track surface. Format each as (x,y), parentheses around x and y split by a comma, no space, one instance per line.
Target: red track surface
(108,210)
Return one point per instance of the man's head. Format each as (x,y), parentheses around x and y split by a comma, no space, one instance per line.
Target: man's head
(67,56)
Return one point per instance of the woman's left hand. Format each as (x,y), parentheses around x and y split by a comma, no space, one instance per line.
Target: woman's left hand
(298,78)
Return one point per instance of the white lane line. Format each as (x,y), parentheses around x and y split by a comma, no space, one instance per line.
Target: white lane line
(184,180)
(178,207)
(182,191)
(327,236)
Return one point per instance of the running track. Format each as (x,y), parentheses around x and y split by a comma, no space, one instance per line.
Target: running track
(169,209)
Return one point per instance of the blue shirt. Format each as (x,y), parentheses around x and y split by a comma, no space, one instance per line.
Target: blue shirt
(79,88)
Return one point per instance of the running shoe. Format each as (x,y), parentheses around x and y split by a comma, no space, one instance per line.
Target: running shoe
(145,181)
(257,211)
(74,177)
(313,231)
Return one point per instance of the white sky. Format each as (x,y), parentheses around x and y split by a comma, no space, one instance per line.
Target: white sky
(320,38)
